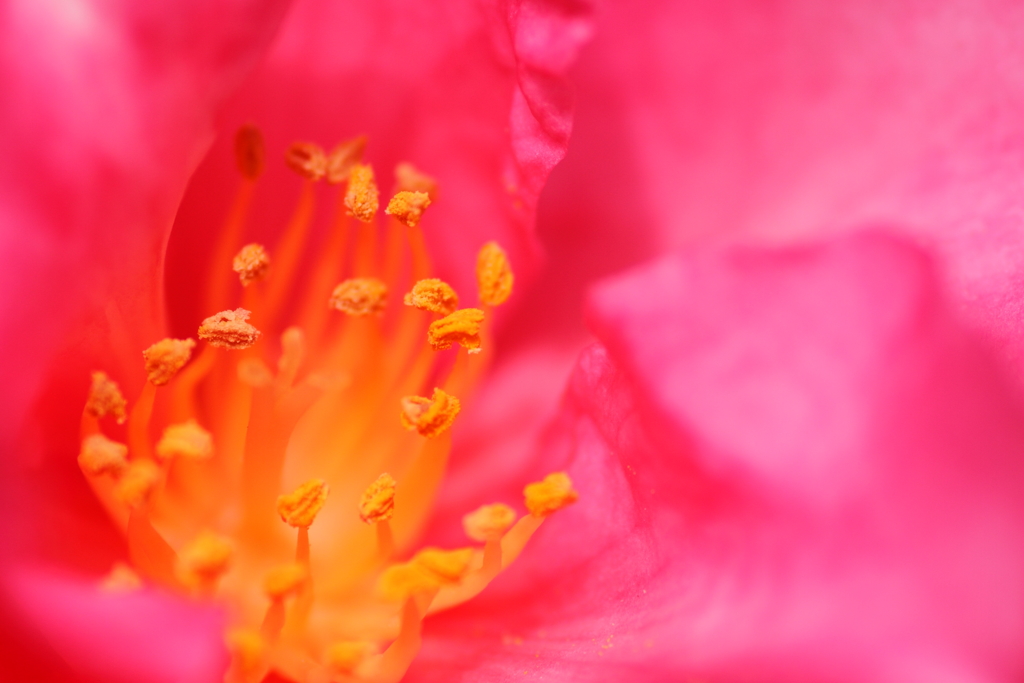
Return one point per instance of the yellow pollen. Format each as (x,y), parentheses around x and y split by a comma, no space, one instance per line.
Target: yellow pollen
(433,295)
(251,263)
(205,559)
(307,159)
(249,151)
(105,398)
(362,198)
(408,207)
(346,655)
(488,522)
(100,455)
(360,296)
(121,579)
(550,495)
(461,327)
(378,501)
(448,565)
(402,581)
(229,330)
(247,646)
(185,440)
(409,179)
(343,157)
(300,507)
(138,482)
(284,580)
(166,357)
(429,416)
(493,275)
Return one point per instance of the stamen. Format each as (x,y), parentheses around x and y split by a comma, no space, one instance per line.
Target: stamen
(362,198)
(249,151)
(408,207)
(251,263)
(204,560)
(493,275)
(343,157)
(293,350)
(550,495)
(447,565)
(346,655)
(488,522)
(301,507)
(166,357)
(400,582)
(247,647)
(255,373)
(282,581)
(378,501)
(138,482)
(430,416)
(100,455)
(409,179)
(433,295)
(360,296)
(121,579)
(307,159)
(229,330)
(186,440)
(461,327)
(105,398)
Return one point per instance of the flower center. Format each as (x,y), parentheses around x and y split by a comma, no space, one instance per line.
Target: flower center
(299,453)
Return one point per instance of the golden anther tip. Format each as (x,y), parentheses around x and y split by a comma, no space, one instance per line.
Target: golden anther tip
(307,159)
(461,327)
(100,455)
(493,275)
(284,580)
(166,357)
(204,559)
(429,416)
(105,398)
(250,152)
(344,656)
(362,197)
(121,579)
(246,646)
(378,501)
(185,440)
(489,522)
(251,263)
(550,495)
(408,207)
(360,296)
(138,482)
(343,157)
(447,565)
(409,179)
(300,507)
(402,581)
(433,295)
(229,330)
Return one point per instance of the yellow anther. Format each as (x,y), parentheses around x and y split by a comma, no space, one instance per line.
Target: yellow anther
(255,373)
(362,197)
(489,522)
(360,296)
(429,416)
(246,646)
(409,179)
(447,565)
(249,151)
(493,274)
(343,157)
(402,581)
(121,579)
(300,507)
(138,482)
(408,207)
(100,455)
(229,330)
(433,295)
(461,327)
(346,655)
(185,440)
(251,263)
(307,159)
(284,580)
(550,495)
(105,398)
(166,357)
(378,501)
(204,559)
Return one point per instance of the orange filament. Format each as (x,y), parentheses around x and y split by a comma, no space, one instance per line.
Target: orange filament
(461,327)
(360,296)
(203,561)
(493,275)
(550,495)
(105,398)
(300,507)
(430,416)
(100,455)
(343,157)
(408,207)
(488,522)
(307,159)
(378,501)
(249,152)
(185,440)
(165,358)
(229,330)
(251,263)
(138,482)
(433,295)
(363,197)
